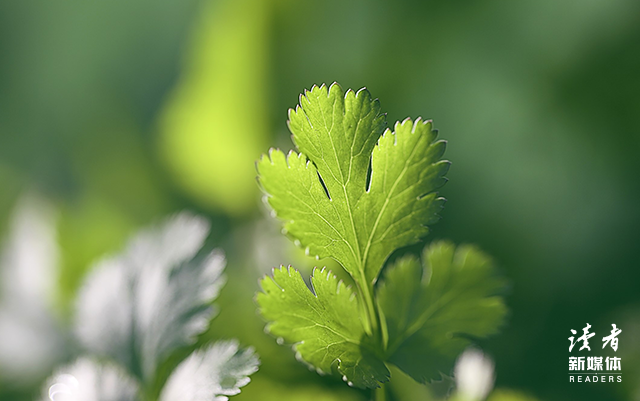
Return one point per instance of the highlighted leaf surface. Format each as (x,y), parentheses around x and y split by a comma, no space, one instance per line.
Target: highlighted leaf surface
(152,299)
(356,194)
(89,380)
(140,306)
(321,193)
(213,373)
(324,327)
(431,311)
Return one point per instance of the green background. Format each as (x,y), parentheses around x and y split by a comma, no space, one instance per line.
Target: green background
(121,112)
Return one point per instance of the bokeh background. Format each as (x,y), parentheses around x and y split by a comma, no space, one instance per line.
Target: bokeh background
(120,112)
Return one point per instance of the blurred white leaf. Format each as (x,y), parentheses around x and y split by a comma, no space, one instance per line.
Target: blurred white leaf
(31,339)
(211,374)
(474,375)
(151,299)
(87,380)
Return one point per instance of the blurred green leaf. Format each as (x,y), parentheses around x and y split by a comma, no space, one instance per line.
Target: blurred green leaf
(214,124)
(509,395)
(431,311)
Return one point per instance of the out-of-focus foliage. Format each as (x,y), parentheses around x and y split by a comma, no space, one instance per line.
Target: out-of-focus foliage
(215,372)
(141,307)
(151,299)
(90,380)
(510,395)
(214,125)
(539,101)
(474,376)
(32,340)
(434,306)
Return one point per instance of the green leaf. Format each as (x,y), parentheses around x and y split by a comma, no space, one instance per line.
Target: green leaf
(432,311)
(354,192)
(323,325)
(321,193)
(206,138)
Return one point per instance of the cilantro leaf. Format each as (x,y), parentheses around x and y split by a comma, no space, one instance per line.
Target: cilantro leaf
(153,298)
(406,171)
(213,373)
(431,311)
(355,193)
(88,380)
(324,326)
(321,193)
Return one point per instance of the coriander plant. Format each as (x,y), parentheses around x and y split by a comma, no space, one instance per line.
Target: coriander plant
(137,309)
(356,191)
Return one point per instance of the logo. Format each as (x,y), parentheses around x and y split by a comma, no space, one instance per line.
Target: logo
(594,369)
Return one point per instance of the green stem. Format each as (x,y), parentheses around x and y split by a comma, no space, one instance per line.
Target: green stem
(381,393)
(372,312)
